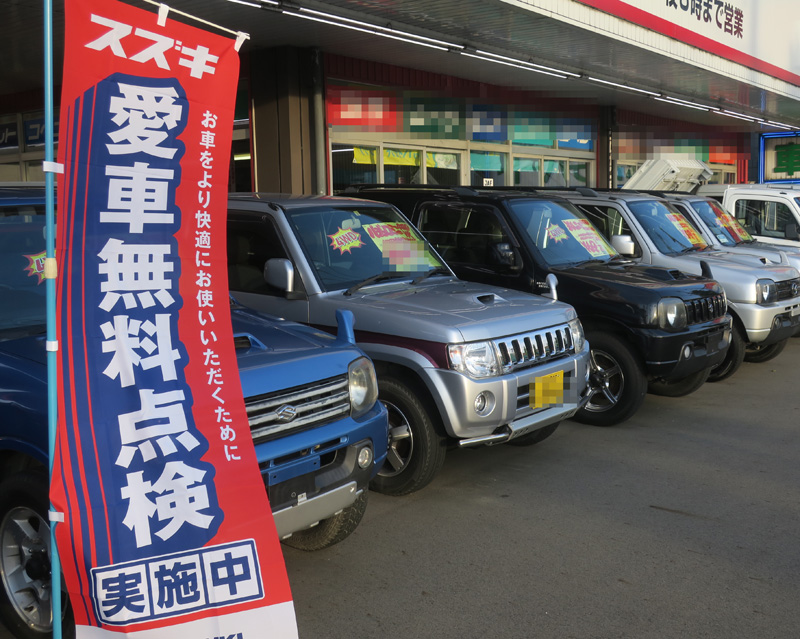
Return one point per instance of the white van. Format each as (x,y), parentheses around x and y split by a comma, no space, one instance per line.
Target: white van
(769,212)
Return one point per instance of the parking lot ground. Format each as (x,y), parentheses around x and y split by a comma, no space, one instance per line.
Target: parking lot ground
(682,522)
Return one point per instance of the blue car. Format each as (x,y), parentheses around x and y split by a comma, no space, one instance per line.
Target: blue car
(316,466)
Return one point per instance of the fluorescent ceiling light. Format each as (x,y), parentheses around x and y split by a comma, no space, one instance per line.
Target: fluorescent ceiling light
(526,63)
(683,104)
(777,126)
(788,126)
(743,115)
(372,30)
(512,64)
(623,86)
(734,115)
(688,103)
(366,25)
(256,3)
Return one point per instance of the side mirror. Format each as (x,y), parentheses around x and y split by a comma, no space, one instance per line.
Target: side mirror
(624,244)
(552,284)
(791,232)
(504,255)
(279,273)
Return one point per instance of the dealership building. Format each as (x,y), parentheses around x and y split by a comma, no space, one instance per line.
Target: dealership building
(473,92)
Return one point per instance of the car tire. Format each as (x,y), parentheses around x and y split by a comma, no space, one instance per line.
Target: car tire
(617,381)
(332,530)
(535,437)
(679,387)
(416,450)
(757,354)
(733,358)
(25,603)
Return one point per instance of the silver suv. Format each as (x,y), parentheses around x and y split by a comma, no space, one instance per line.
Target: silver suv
(763,298)
(456,361)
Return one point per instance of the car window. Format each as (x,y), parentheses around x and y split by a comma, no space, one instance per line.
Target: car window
(465,234)
(560,233)
(761,217)
(345,246)
(22,254)
(667,227)
(724,226)
(609,222)
(250,245)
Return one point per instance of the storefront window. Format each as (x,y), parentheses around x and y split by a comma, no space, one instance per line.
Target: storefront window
(9,172)
(624,173)
(527,172)
(401,166)
(578,174)
(487,169)
(443,168)
(555,173)
(353,165)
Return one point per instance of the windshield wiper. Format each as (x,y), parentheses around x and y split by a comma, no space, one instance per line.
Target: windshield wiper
(386,275)
(441,270)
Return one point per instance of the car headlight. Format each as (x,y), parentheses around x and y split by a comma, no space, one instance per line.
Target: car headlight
(477,359)
(671,314)
(363,385)
(578,338)
(766,292)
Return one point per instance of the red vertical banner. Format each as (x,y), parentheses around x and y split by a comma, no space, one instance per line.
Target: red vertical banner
(167,527)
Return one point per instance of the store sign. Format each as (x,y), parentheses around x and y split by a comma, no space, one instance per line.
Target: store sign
(759,34)
(167,529)
(9,137)
(780,156)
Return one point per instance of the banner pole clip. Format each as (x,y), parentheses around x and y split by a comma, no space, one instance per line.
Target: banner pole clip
(56,516)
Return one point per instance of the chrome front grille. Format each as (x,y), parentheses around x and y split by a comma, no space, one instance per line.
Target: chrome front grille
(298,408)
(705,309)
(529,349)
(788,289)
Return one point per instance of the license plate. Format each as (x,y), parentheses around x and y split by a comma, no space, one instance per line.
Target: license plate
(547,390)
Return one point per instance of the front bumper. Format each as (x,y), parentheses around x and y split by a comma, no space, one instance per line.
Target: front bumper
(673,356)
(768,324)
(313,474)
(508,413)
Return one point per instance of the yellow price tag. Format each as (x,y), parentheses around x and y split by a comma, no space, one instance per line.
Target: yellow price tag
(546,391)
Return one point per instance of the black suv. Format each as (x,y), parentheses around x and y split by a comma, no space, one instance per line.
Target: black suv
(648,327)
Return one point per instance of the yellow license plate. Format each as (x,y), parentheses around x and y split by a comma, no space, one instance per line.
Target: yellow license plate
(547,390)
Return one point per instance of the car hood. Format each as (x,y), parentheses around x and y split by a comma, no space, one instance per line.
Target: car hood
(729,267)
(303,353)
(627,281)
(451,312)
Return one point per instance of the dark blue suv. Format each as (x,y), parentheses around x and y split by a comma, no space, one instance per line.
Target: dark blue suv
(316,467)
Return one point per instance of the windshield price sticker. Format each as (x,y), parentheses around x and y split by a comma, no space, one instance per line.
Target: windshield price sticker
(686,229)
(556,233)
(35,267)
(730,223)
(547,390)
(399,245)
(345,239)
(589,238)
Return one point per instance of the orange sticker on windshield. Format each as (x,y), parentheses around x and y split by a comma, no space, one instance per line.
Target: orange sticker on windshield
(685,228)
(589,237)
(36,265)
(556,233)
(732,224)
(399,245)
(345,239)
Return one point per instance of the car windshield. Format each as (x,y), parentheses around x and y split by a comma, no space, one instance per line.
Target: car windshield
(669,230)
(560,233)
(723,225)
(348,246)
(22,288)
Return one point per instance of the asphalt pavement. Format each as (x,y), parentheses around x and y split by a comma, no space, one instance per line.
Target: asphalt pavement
(682,522)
